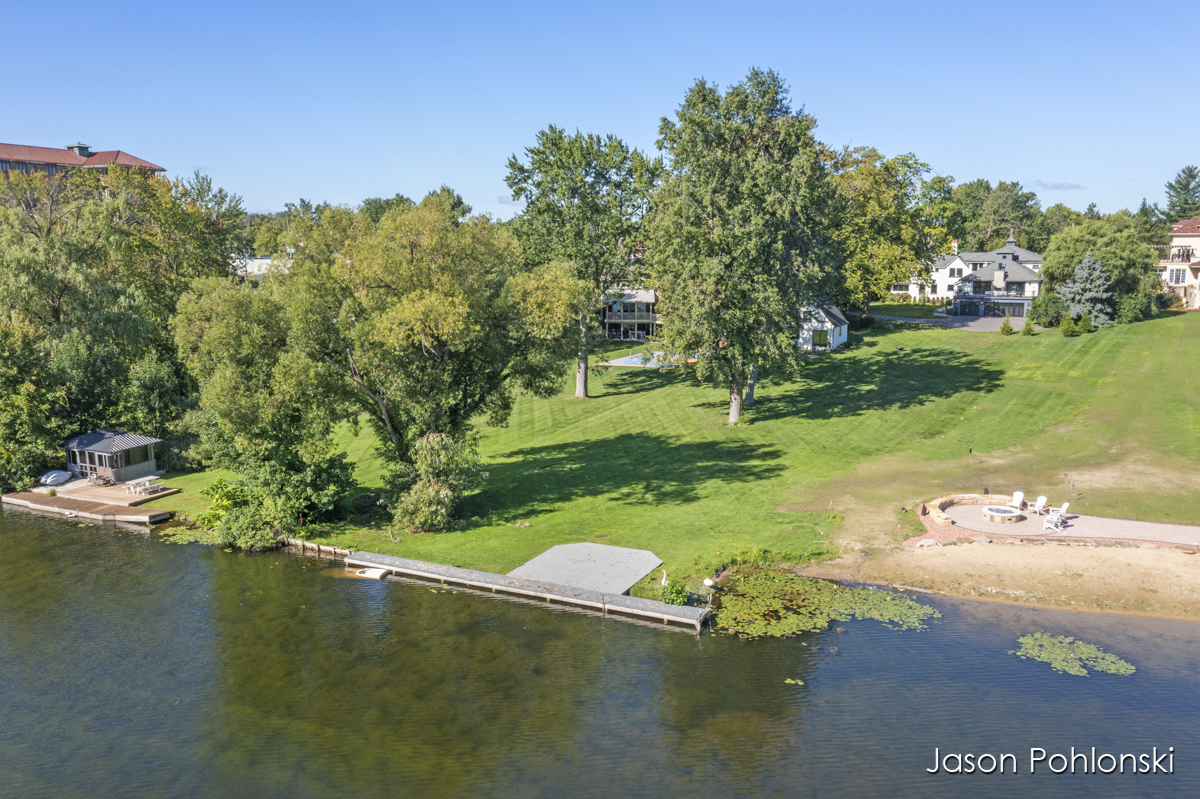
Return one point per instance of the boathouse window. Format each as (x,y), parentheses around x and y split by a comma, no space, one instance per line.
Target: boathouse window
(75,457)
(91,459)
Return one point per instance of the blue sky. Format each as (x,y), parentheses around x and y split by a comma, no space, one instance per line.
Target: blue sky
(1081,102)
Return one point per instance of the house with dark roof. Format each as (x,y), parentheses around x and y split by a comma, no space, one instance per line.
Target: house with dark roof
(1179,262)
(112,453)
(947,272)
(53,161)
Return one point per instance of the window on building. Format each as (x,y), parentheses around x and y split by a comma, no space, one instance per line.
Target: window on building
(821,338)
(899,287)
(1178,277)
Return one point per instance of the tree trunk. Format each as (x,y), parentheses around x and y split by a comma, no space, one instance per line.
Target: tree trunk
(750,381)
(581,368)
(735,401)
(866,308)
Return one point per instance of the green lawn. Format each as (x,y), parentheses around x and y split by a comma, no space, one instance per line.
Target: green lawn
(906,309)
(648,463)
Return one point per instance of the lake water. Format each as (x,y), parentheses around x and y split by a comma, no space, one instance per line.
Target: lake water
(131,667)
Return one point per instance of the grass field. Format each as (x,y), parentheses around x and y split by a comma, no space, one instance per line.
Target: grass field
(905,309)
(648,463)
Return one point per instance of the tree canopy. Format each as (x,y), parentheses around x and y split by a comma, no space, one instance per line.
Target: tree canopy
(1183,195)
(739,235)
(585,198)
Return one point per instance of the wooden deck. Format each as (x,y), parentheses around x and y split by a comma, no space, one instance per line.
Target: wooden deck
(537,589)
(113,495)
(84,509)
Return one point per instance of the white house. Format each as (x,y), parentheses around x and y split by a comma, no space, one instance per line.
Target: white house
(823,329)
(946,274)
(1179,266)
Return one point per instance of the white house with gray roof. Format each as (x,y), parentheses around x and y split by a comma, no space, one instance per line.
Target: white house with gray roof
(972,280)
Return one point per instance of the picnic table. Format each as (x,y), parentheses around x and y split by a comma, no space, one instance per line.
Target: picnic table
(144,485)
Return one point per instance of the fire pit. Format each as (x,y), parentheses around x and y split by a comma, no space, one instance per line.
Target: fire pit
(999,514)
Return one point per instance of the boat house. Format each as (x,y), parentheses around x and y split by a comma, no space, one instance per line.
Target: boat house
(111,453)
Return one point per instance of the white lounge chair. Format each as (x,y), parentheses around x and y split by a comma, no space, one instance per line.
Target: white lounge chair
(1039,506)
(1052,523)
(1056,517)
(1018,499)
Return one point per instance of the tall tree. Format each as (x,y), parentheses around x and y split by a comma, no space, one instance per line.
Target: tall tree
(1113,241)
(1088,293)
(585,198)
(887,234)
(991,213)
(1183,195)
(740,232)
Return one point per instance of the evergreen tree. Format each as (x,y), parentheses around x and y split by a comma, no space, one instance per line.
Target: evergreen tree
(1089,293)
(1068,327)
(1027,328)
(1085,324)
(1006,328)
(1183,195)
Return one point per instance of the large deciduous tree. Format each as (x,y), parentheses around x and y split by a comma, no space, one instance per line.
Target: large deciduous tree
(585,198)
(739,238)
(1114,242)
(891,223)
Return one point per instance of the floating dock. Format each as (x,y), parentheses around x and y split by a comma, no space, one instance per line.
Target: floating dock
(85,509)
(535,589)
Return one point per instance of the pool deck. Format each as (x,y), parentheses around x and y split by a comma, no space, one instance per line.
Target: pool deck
(84,509)
(551,592)
(1078,528)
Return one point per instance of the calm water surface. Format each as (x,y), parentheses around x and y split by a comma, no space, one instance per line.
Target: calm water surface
(130,667)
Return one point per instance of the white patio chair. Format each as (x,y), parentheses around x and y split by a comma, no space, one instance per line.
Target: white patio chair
(1052,522)
(1059,511)
(1057,517)
(1018,499)
(1039,506)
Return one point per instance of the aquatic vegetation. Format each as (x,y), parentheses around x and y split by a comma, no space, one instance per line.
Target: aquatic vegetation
(1067,654)
(781,604)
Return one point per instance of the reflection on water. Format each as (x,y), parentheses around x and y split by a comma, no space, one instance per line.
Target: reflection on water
(134,667)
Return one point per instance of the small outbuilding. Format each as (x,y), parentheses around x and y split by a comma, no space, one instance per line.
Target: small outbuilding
(112,453)
(824,329)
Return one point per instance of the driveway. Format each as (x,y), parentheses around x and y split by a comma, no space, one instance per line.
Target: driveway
(978,324)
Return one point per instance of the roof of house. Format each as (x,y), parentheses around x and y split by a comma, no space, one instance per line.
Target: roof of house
(1186,226)
(834,316)
(1010,248)
(64,157)
(1016,272)
(631,295)
(109,441)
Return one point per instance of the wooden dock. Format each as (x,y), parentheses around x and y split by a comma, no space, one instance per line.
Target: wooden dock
(536,589)
(84,509)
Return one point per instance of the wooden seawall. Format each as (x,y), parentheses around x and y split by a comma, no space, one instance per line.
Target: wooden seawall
(536,589)
(84,509)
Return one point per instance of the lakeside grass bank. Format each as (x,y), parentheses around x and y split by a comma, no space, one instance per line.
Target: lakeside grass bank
(835,454)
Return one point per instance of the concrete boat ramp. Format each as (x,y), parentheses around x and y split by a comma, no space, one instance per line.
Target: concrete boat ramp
(577,585)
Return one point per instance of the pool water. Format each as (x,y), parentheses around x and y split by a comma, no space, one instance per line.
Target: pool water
(132,667)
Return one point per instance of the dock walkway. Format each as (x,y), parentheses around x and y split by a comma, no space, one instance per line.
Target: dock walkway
(85,509)
(538,589)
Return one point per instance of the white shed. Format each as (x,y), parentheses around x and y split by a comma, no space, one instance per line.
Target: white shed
(824,329)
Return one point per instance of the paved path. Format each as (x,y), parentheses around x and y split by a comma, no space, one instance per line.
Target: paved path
(970,517)
(977,324)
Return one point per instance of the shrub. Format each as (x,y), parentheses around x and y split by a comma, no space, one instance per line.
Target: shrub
(443,469)
(1006,328)
(1168,300)
(52,492)
(675,593)
(1068,327)
(1047,310)
(1085,324)
(1027,328)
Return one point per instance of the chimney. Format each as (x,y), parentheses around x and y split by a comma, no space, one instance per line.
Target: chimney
(954,246)
(999,278)
(80,149)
